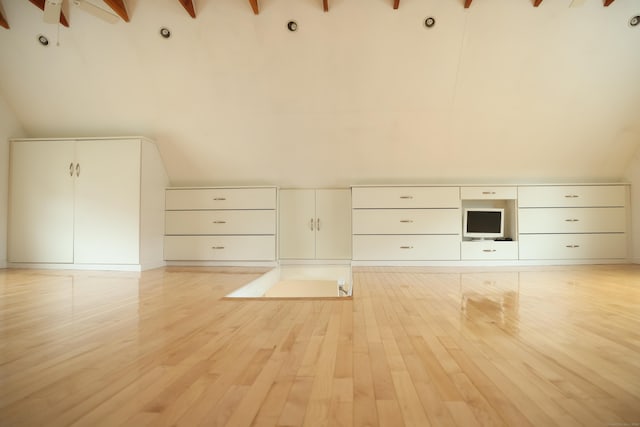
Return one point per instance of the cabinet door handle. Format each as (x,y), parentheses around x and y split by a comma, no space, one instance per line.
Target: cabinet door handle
(77,169)
(406,221)
(572,220)
(71,169)
(219,222)
(573,246)
(488,250)
(311,224)
(488,192)
(219,199)
(318,224)
(406,247)
(217,247)
(406,197)
(571,196)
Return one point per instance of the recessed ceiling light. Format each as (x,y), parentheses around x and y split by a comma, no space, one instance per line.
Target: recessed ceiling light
(164,32)
(634,21)
(43,40)
(292,25)
(430,22)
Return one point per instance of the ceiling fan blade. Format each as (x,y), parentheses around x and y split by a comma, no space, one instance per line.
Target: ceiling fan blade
(96,11)
(52,9)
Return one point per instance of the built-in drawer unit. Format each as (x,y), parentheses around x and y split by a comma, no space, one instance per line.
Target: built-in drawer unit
(406,223)
(220,224)
(489,250)
(573,222)
(488,193)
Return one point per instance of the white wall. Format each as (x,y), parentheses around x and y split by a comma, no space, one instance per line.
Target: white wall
(9,127)
(499,92)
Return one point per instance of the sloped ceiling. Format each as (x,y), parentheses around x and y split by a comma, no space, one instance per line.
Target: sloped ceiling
(501,91)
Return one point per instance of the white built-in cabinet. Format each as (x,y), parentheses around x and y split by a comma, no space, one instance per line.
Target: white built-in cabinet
(86,202)
(315,224)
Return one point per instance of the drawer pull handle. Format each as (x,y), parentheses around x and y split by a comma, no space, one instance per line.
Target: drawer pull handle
(488,250)
(572,220)
(219,199)
(406,247)
(406,221)
(573,246)
(406,197)
(488,192)
(219,222)
(217,247)
(71,169)
(317,224)
(311,224)
(571,196)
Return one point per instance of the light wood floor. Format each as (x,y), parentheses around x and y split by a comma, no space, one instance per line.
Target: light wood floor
(414,347)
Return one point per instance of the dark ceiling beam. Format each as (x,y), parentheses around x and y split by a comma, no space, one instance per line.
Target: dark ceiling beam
(188,5)
(467,3)
(40,4)
(254,6)
(396,4)
(536,3)
(607,2)
(119,8)
(325,5)
(3,22)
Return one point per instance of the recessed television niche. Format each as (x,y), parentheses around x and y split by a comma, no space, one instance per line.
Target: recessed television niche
(483,223)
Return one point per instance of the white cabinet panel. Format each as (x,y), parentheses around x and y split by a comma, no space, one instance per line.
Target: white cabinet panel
(489,250)
(315,224)
(220,198)
(488,193)
(572,246)
(572,196)
(406,197)
(107,204)
(220,222)
(573,220)
(406,221)
(219,248)
(41,202)
(406,248)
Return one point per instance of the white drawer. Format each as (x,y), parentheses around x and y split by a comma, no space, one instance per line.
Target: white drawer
(406,197)
(572,196)
(573,246)
(488,193)
(572,220)
(219,248)
(220,222)
(406,248)
(220,198)
(406,221)
(489,250)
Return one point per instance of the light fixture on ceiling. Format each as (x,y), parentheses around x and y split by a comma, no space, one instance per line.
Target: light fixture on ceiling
(164,32)
(292,25)
(43,40)
(430,22)
(634,21)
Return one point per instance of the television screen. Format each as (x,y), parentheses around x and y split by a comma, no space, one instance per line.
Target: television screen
(483,223)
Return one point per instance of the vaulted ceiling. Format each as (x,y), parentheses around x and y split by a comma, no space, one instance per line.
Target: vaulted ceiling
(495,90)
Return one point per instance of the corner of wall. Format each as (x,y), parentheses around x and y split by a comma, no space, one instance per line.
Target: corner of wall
(632,175)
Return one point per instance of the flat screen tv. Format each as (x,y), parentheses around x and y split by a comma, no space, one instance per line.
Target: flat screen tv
(483,223)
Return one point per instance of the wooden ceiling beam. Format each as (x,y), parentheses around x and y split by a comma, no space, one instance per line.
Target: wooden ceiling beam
(467,3)
(254,6)
(536,3)
(607,2)
(3,22)
(396,4)
(119,8)
(325,5)
(188,6)
(40,4)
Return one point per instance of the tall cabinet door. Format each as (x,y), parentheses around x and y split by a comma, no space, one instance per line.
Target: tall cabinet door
(333,224)
(41,202)
(107,202)
(297,224)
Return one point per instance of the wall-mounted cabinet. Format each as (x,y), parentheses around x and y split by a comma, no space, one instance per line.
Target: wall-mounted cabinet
(86,202)
(315,224)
